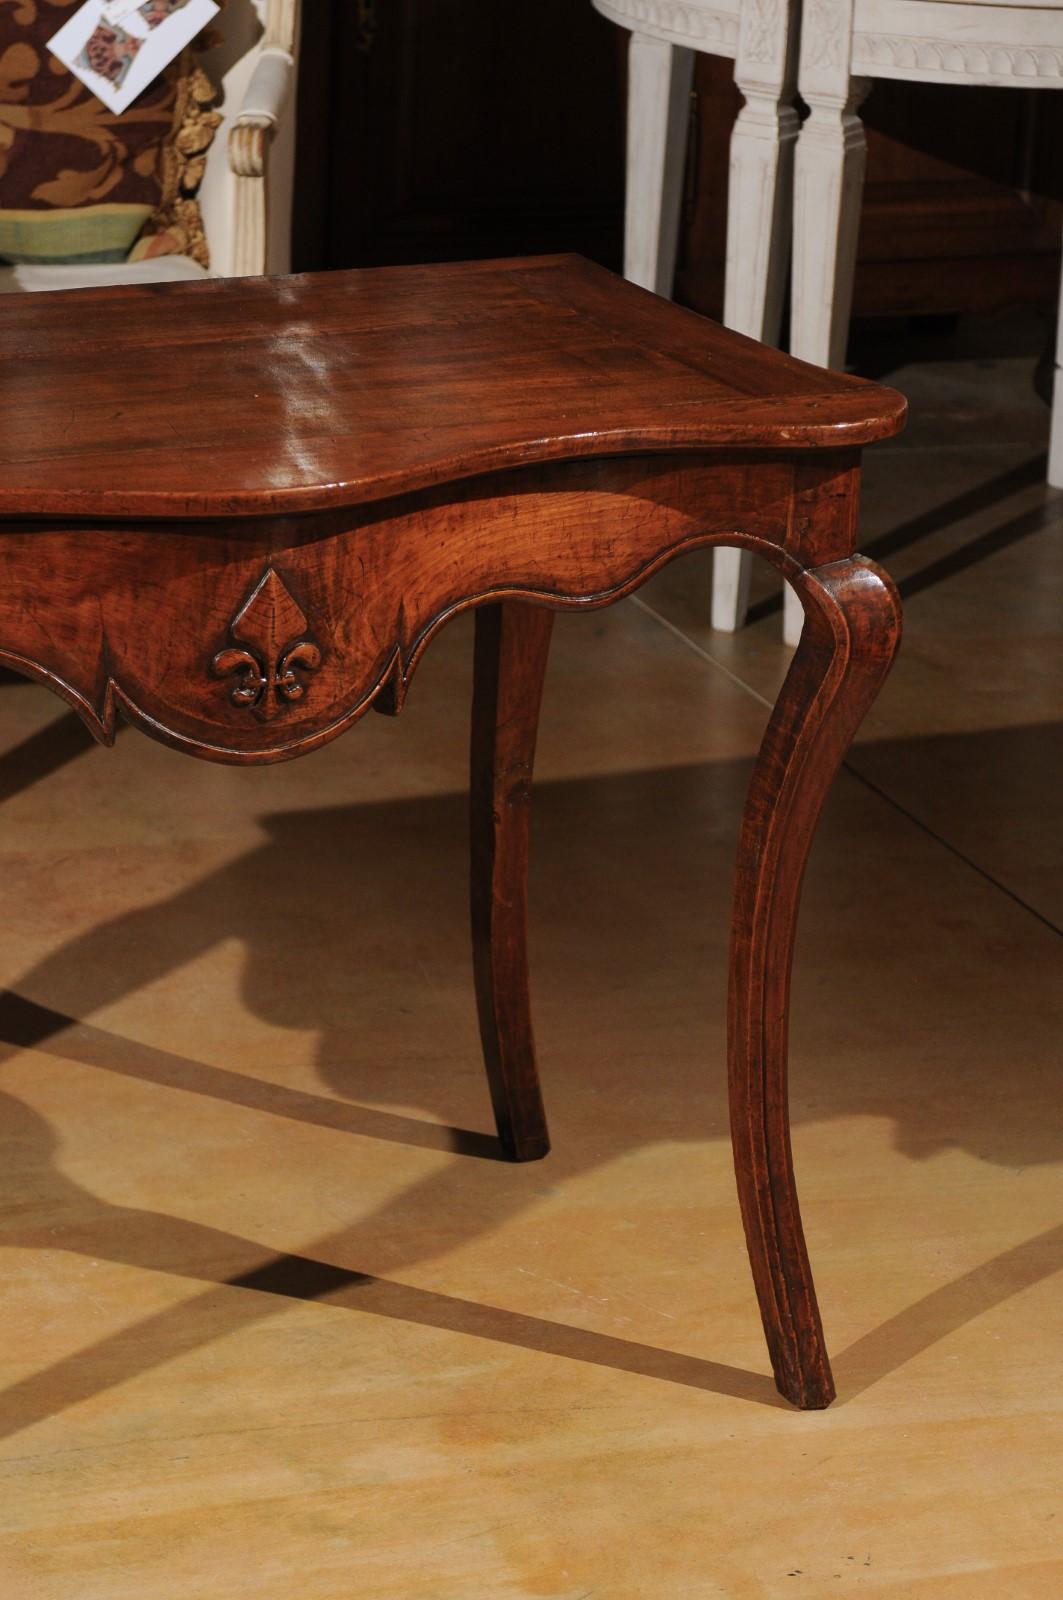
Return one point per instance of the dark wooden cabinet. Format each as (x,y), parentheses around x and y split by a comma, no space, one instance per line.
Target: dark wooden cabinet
(451,129)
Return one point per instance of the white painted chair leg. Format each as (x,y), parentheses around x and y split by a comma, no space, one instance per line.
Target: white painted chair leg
(658,109)
(1055,442)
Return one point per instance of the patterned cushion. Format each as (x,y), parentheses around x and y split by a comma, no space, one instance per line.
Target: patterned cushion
(78,182)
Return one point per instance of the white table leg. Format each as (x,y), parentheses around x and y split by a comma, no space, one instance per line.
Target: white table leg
(760,194)
(658,108)
(1055,443)
(759,217)
(731,572)
(828,180)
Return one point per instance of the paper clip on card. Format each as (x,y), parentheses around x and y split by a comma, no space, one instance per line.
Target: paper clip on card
(118,47)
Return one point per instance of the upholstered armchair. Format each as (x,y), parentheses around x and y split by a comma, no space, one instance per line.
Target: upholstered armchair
(246,192)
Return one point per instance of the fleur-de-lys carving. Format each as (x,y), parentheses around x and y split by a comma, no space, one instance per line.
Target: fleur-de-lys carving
(268,654)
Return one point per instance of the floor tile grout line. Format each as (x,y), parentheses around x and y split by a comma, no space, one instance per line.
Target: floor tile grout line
(855,772)
(699,650)
(960,855)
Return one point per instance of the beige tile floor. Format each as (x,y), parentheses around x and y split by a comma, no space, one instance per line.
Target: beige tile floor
(276,1325)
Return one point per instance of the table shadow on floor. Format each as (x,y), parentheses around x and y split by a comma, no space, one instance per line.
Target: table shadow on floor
(362,856)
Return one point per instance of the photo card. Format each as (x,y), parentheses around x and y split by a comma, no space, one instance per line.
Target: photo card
(118,47)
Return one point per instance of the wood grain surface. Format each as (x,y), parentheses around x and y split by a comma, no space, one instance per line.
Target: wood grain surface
(141,617)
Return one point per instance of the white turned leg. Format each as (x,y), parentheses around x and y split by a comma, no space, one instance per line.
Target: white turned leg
(1055,442)
(759,217)
(828,180)
(759,213)
(658,109)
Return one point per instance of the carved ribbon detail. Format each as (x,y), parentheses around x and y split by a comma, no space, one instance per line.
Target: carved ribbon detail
(267,649)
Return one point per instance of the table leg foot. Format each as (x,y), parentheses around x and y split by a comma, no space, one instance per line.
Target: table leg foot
(851,633)
(512,646)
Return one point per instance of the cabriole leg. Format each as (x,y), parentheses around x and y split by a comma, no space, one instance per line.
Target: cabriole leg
(512,646)
(852,628)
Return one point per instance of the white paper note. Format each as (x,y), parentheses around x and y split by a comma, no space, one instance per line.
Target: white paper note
(118,47)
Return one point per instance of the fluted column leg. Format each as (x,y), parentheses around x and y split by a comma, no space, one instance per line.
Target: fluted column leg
(851,632)
(658,109)
(828,185)
(759,227)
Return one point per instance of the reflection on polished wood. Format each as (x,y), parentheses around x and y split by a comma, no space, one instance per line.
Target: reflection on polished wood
(244,557)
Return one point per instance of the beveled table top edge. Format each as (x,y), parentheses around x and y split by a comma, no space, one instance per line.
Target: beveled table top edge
(813,410)
(170,505)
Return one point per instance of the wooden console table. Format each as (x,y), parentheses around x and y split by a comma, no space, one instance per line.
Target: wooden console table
(235,513)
